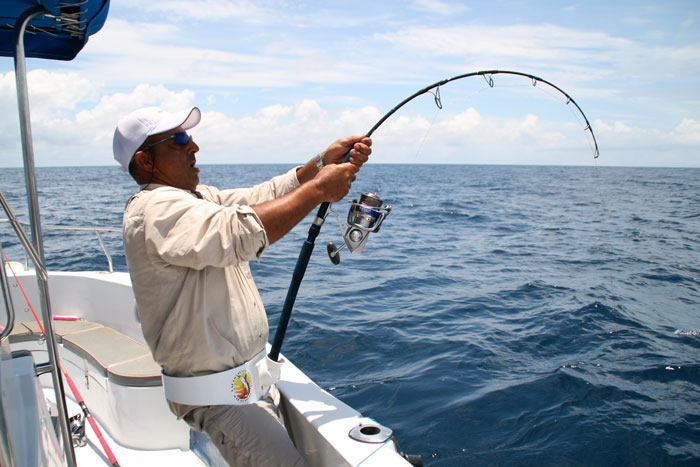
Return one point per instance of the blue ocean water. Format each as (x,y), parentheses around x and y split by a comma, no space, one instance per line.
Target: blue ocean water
(503,315)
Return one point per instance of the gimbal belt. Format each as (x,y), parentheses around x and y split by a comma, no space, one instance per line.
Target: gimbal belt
(241,385)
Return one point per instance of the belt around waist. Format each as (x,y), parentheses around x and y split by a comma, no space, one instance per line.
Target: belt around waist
(241,385)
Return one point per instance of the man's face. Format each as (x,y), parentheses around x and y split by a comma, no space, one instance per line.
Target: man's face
(174,163)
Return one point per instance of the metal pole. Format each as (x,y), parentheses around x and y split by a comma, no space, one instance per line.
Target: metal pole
(25,125)
(9,307)
(32,198)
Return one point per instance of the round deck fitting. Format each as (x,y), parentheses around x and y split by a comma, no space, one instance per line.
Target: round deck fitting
(370,432)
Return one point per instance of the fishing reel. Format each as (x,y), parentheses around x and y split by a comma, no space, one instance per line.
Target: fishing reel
(364,217)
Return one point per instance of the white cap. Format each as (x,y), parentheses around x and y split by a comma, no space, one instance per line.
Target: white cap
(133,129)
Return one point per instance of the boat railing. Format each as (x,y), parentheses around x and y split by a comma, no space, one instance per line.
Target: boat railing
(97,229)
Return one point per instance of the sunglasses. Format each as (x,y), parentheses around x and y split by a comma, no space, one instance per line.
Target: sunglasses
(180,137)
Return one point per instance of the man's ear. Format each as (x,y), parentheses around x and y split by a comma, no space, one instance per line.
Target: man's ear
(143,159)
(142,166)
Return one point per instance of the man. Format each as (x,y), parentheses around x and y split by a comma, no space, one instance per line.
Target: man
(187,248)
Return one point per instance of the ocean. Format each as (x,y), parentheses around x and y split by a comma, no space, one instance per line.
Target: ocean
(503,315)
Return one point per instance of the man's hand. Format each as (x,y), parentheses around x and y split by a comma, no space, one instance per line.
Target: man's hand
(279,215)
(331,184)
(334,181)
(359,147)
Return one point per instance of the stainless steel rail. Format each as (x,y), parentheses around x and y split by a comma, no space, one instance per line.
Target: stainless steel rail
(86,228)
(9,307)
(37,247)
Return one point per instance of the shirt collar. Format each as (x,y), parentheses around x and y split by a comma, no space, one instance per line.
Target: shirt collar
(153,186)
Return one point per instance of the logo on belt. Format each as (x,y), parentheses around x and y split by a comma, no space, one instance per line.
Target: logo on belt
(241,386)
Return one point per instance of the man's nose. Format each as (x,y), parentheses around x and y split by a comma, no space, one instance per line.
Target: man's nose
(192,144)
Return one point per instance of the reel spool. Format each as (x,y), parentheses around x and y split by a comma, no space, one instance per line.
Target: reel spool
(364,217)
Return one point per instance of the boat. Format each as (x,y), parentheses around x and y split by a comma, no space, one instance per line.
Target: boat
(80,328)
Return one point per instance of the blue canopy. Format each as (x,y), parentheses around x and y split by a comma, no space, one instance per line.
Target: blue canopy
(60,35)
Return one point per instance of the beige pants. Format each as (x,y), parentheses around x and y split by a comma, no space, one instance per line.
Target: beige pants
(248,435)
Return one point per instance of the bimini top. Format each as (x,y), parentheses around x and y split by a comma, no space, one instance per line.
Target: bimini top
(59,34)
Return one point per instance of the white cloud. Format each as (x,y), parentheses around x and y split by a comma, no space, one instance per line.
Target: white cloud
(70,128)
(275,133)
(631,145)
(308,112)
(470,137)
(538,42)
(76,129)
(283,134)
(127,52)
(50,92)
(276,112)
(689,131)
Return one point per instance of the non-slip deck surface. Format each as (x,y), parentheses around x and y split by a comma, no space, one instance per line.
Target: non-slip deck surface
(121,359)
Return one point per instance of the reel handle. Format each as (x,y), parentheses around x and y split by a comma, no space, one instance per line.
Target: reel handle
(334,252)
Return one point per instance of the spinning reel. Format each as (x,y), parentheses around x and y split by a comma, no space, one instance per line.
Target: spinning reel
(364,217)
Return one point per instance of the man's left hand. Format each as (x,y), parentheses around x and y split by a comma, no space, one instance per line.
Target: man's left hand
(359,147)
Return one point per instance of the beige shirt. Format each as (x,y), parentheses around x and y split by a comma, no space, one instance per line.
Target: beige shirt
(188,258)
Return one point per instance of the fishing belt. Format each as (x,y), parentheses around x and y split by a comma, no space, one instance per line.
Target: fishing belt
(241,385)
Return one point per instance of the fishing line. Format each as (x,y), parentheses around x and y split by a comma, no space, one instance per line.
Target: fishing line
(440,105)
(606,251)
(419,149)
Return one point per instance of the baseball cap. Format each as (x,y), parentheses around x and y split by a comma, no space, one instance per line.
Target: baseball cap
(133,129)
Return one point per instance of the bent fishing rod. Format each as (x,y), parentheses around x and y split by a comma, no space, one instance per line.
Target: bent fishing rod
(366,215)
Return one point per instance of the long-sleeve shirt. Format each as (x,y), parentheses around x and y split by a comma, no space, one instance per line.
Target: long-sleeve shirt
(199,308)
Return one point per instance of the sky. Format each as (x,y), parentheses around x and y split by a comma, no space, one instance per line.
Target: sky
(277,81)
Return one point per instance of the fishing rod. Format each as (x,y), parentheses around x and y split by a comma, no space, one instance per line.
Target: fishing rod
(367,214)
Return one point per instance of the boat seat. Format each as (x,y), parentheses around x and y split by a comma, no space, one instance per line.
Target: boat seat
(119,358)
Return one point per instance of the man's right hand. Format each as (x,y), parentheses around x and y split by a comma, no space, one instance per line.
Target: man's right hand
(334,180)
(332,183)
